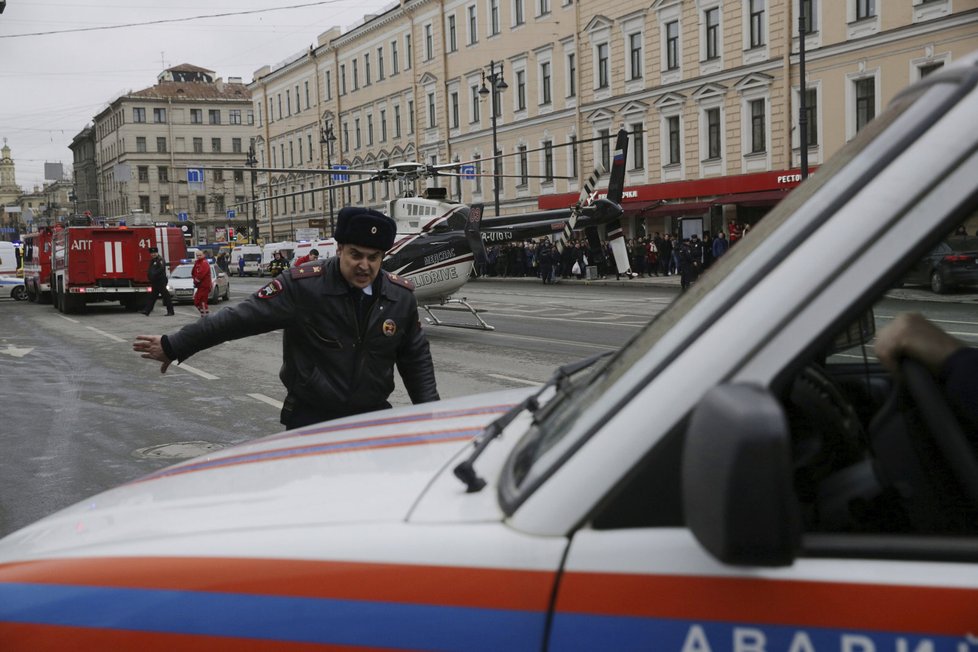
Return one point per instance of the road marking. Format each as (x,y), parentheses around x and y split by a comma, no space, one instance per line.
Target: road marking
(108,335)
(194,370)
(532,383)
(267,399)
(577,321)
(13,351)
(73,321)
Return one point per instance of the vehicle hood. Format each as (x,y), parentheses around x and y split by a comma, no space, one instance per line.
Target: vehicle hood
(370,468)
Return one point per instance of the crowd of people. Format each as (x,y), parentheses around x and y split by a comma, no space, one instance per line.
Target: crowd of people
(655,255)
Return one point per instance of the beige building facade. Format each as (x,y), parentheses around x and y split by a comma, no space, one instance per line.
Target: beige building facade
(171,149)
(708,89)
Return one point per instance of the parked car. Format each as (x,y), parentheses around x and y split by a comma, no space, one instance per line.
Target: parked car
(181,284)
(12,287)
(742,475)
(946,267)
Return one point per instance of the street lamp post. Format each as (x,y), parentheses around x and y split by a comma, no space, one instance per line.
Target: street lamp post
(252,162)
(498,84)
(328,138)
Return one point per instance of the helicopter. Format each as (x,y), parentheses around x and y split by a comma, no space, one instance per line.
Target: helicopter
(439,241)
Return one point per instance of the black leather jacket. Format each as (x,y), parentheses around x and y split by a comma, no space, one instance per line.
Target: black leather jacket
(157,273)
(329,360)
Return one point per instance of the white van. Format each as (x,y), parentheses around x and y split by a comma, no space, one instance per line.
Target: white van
(8,258)
(326,249)
(269,250)
(251,254)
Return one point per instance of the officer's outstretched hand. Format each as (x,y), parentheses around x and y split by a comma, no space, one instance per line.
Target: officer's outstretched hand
(151,349)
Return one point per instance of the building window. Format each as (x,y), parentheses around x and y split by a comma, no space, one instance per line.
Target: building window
(234,116)
(674,140)
(452,34)
(214,116)
(605,136)
(239,178)
(865,9)
(758,138)
(142,173)
(756,23)
(929,68)
(635,54)
(478,174)
(163,174)
(161,145)
(236,145)
(196,116)
(712,19)
(571,74)
(672,45)
(201,205)
(602,65)
(288,102)
(548,161)
(429,44)
(544,7)
(432,121)
(394,65)
(397,122)
(865,101)
(218,176)
(218,203)
(383,125)
(573,148)
(215,144)
(493,17)
(638,147)
(198,145)
(159,116)
(518,17)
(524,165)
(138,114)
(165,203)
(520,91)
(143,204)
(370,133)
(307,94)
(545,81)
(454,103)
(473,25)
(356,132)
(713,133)
(410,116)
(342,79)
(474,91)
(811,116)
(408,55)
(380,63)
(356,74)
(807,9)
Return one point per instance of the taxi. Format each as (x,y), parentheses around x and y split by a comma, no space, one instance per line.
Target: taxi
(742,476)
(181,283)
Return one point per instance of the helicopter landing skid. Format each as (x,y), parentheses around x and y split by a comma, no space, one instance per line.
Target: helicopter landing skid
(460,305)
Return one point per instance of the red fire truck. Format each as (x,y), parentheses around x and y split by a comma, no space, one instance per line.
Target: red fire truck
(37,264)
(90,264)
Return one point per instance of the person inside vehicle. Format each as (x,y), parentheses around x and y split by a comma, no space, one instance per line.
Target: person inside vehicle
(950,360)
(347,323)
(311,256)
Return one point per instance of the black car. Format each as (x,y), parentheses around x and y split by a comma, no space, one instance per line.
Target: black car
(947,266)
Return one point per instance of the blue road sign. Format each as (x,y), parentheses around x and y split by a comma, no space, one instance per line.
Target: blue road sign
(230,213)
(195,175)
(340,177)
(467,171)
(182,217)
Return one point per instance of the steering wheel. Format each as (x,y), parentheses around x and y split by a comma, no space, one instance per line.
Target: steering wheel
(944,428)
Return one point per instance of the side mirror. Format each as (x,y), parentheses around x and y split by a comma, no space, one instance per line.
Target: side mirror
(738,494)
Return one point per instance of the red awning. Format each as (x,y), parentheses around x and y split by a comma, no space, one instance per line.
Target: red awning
(681,208)
(759,198)
(631,207)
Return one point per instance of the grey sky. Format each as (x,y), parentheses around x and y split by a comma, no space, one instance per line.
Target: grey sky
(52,85)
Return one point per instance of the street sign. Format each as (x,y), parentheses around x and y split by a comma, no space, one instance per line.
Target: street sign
(340,177)
(467,171)
(230,213)
(182,217)
(195,175)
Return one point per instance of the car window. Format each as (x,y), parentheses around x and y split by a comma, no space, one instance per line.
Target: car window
(182,271)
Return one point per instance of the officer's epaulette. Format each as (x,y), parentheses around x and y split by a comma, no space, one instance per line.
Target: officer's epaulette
(308,270)
(400,280)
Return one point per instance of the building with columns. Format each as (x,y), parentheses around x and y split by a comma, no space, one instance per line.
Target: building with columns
(710,91)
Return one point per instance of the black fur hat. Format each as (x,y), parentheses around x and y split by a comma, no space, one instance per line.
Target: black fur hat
(365,227)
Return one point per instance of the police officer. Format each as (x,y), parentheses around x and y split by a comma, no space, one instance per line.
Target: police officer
(347,325)
(157,279)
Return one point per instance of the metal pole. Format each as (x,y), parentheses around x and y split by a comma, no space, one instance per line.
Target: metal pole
(802,108)
(253,229)
(329,164)
(495,147)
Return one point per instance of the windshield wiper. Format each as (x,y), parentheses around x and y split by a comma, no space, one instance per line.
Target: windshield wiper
(465,471)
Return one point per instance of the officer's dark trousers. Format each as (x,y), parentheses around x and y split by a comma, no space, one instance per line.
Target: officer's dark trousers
(296,413)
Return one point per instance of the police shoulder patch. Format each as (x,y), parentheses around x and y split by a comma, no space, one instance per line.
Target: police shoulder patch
(400,280)
(273,289)
(308,270)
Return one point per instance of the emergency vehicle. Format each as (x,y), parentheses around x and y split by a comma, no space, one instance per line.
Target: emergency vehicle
(37,264)
(742,476)
(90,264)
